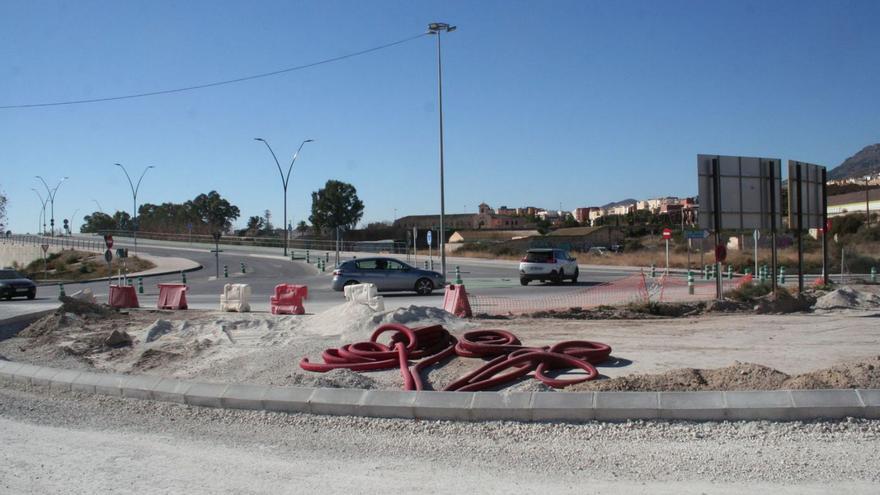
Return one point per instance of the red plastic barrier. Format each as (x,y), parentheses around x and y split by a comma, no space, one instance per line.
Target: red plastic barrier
(455,301)
(123,296)
(433,344)
(288,299)
(172,296)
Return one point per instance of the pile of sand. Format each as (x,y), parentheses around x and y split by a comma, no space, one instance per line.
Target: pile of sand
(848,298)
(354,322)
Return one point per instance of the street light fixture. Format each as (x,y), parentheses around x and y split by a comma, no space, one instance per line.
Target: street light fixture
(134,195)
(42,220)
(51,198)
(285,180)
(437,28)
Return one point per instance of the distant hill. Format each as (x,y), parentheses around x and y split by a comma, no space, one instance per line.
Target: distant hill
(627,201)
(865,162)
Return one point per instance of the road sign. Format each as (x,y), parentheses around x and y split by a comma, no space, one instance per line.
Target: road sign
(756,234)
(108,255)
(696,234)
(745,191)
(429,238)
(121,253)
(108,240)
(45,247)
(667,234)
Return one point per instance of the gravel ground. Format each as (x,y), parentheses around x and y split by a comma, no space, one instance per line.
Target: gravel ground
(69,443)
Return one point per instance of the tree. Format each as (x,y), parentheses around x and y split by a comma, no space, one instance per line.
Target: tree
(570,222)
(302,227)
(254,226)
(267,225)
(122,220)
(97,222)
(213,211)
(336,205)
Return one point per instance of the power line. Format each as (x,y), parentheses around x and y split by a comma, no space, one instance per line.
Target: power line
(216,83)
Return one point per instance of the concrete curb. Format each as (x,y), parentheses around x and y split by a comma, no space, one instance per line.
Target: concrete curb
(775,405)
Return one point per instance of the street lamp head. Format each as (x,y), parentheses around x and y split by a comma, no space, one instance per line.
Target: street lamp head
(436,27)
(260,139)
(309,141)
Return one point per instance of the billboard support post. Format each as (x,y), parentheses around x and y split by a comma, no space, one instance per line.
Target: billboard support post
(773,279)
(716,199)
(799,232)
(825,228)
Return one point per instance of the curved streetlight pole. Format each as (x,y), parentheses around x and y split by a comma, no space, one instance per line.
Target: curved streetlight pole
(437,28)
(99,205)
(51,193)
(134,195)
(285,180)
(42,220)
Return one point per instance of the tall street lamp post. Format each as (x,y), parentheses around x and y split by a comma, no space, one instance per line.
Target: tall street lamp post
(284,181)
(134,196)
(436,28)
(42,220)
(867,201)
(51,198)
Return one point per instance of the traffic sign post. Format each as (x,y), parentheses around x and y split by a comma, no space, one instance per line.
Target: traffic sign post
(108,257)
(429,249)
(108,240)
(667,234)
(757,235)
(45,261)
(217,253)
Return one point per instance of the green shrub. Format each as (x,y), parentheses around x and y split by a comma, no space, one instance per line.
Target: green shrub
(750,291)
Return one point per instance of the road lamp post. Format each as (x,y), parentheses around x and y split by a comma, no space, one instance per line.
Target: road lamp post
(285,180)
(42,220)
(134,195)
(51,198)
(867,201)
(436,28)
(99,205)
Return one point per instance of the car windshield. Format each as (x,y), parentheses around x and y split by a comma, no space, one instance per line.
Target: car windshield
(538,256)
(9,275)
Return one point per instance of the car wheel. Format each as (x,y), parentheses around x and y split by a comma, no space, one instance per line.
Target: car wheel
(8,297)
(31,295)
(574,278)
(523,281)
(350,282)
(558,276)
(424,287)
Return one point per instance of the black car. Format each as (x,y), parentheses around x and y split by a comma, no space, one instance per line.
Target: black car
(14,284)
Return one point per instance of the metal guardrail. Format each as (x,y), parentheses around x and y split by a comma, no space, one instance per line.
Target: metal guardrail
(62,242)
(397,247)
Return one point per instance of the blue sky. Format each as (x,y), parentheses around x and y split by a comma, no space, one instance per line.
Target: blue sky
(578,103)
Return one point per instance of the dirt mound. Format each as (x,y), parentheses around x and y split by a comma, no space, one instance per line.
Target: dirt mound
(418,316)
(739,376)
(51,324)
(848,298)
(84,308)
(635,311)
(743,376)
(858,374)
(155,358)
(727,306)
(783,303)
(340,378)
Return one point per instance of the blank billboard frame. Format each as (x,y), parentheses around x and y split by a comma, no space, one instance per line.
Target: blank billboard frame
(748,187)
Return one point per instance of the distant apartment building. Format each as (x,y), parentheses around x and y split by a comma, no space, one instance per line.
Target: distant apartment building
(582,215)
(485,218)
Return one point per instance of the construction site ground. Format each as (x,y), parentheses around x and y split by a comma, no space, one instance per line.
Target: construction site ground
(837,347)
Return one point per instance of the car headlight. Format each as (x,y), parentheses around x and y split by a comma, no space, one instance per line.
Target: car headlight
(2,285)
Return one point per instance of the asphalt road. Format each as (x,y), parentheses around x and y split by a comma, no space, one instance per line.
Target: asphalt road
(266,267)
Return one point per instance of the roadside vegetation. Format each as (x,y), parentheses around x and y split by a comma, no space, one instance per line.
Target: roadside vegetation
(69,266)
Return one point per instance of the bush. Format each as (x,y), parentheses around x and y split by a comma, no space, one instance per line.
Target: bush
(86,268)
(751,291)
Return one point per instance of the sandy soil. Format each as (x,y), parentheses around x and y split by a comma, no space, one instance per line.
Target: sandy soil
(712,351)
